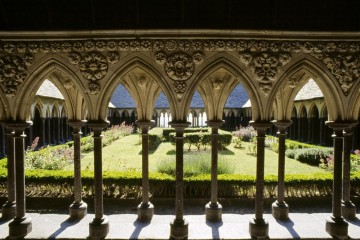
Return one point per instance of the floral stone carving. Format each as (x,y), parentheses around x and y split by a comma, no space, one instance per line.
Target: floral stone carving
(93,66)
(13,71)
(265,66)
(179,66)
(345,68)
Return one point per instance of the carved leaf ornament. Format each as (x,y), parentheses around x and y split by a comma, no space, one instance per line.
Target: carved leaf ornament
(13,71)
(345,68)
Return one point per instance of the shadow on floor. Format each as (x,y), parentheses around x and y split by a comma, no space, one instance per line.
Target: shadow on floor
(289,225)
(215,228)
(64,225)
(138,227)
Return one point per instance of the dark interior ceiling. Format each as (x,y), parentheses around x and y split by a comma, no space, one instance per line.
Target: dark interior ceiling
(302,15)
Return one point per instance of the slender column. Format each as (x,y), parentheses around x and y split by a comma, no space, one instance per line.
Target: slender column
(259,227)
(213,210)
(57,125)
(146,208)
(99,227)
(67,132)
(280,209)
(348,208)
(335,224)
(78,209)
(310,132)
(2,141)
(9,208)
(43,132)
(179,227)
(48,128)
(299,129)
(21,225)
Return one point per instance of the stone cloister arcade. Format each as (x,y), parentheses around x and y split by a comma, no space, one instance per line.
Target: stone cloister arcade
(87,67)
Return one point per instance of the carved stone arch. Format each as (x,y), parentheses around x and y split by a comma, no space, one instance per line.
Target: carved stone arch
(63,112)
(303,113)
(47,112)
(55,110)
(128,64)
(5,113)
(296,74)
(353,107)
(232,67)
(312,109)
(51,68)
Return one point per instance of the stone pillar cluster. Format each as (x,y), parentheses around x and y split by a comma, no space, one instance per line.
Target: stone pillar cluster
(145,208)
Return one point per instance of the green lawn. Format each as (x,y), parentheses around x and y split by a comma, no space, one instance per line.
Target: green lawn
(125,155)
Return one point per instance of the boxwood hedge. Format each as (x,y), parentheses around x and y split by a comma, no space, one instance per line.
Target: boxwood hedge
(50,183)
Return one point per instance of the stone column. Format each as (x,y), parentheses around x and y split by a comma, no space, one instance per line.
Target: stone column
(43,132)
(57,124)
(9,208)
(21,225)
(336,226)
(48,128)
(2,141)
(179,227)
(99,227)
(299,125)
(347,207)
(259,227)
(145,209)
(280,210)
(78,209)
(213,210)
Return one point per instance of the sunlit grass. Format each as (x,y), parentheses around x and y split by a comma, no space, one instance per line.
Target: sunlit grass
(125,155)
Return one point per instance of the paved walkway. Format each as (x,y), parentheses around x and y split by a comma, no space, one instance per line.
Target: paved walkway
(307,220)
(233,226)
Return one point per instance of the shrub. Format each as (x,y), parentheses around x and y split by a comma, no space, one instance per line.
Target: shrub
(203,139)
(168,131)
(194,165)
(252,147)
(246,133)
(154,140)
(49,158)
(237,142)
(312,156)
(290,153)
(272,143)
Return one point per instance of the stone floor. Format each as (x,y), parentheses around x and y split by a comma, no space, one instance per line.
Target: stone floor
(54,224)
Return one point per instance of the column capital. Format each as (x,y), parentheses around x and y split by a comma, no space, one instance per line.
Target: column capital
(215,123)
(97,125)
(260,125)
(76,123)
(145,124)
(341,125)
(18,126)
(179,126)
(282,125)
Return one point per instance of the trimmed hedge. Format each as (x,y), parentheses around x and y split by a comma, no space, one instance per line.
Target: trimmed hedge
(155,137)
(199,139)
(47,183)
(167,131)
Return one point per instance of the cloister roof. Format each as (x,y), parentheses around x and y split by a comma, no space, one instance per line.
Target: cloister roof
(309,91)
(48,89)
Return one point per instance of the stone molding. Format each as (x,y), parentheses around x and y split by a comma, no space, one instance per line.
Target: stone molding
(179,56)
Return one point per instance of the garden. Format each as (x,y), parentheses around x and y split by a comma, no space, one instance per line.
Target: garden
(49,171)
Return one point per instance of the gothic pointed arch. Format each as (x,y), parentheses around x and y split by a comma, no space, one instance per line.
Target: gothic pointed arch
(295,76)
(4,107)
(142,80)
(212,78)
(62,76)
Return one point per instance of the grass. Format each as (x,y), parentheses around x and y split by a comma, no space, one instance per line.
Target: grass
(125,155)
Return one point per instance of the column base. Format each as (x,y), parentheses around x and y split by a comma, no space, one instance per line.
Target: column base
(348,210)
(78,210)
(145,212)
(337,227)
(259,228)
(8,210)
(213,212)
(20,227)
(179,229)
(280,210)
(99,228)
